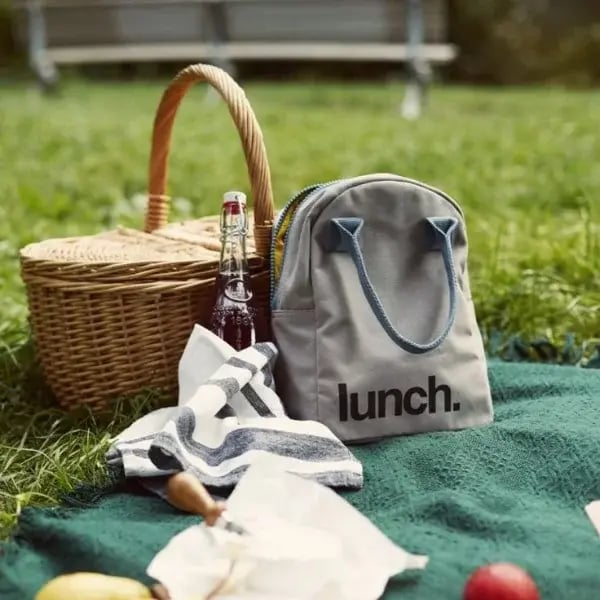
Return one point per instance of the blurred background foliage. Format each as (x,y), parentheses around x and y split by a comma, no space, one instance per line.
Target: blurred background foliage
(527,41)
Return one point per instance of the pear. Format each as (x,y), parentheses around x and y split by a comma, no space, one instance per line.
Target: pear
(92,586)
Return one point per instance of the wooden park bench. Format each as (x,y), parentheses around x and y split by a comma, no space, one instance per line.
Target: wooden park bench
(225,32)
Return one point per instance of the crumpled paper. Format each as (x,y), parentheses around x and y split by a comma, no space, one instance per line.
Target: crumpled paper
(305,542)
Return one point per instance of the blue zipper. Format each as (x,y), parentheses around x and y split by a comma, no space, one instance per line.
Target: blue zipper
(307,192)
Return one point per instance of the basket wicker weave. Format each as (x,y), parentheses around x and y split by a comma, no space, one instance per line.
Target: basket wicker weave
(110,313)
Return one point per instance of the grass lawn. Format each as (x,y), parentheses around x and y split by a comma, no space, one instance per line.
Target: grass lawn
(522,163)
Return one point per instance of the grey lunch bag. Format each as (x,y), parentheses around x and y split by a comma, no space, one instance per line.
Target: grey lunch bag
(372,311)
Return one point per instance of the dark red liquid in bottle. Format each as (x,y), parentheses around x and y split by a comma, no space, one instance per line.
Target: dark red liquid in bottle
(233,316)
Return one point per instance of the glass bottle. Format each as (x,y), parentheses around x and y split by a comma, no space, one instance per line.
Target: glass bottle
(233,316)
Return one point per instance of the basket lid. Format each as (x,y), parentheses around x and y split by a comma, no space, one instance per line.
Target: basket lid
(177,251)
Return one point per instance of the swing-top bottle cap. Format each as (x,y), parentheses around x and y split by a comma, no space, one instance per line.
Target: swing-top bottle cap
(234,198)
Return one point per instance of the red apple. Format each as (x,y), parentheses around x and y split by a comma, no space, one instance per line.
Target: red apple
(500,581)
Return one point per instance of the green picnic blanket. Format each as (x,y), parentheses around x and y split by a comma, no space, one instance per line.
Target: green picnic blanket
(512,491)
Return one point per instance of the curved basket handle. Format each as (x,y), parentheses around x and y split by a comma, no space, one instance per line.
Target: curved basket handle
(250,135)
(348,231)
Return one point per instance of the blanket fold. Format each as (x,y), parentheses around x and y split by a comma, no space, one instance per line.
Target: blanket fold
(227,420)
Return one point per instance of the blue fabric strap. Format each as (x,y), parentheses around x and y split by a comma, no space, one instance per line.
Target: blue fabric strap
(348,230)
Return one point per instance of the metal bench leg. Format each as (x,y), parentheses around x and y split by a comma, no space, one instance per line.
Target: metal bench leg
(218,35)
(39,61)
(418,68)
(217,31)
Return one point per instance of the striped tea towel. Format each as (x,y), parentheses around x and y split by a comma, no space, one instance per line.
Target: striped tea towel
(228,417)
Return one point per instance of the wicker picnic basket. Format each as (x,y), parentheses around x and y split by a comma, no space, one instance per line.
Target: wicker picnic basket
(110,313)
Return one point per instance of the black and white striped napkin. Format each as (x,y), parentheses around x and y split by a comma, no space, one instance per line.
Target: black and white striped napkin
(229,416)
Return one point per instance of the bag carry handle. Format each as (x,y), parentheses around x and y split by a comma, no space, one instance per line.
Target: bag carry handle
(250,135)
(348,241)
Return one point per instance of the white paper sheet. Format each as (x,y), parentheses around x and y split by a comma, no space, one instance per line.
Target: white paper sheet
(305,543)
(593,513)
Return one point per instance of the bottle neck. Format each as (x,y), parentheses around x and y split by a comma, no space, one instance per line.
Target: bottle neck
(233,261)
